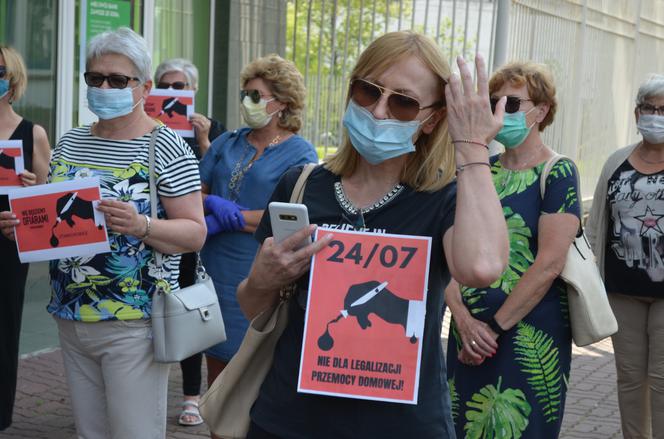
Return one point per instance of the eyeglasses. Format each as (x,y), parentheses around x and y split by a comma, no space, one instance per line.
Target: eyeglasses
(403,107)
(355,219)
(94,79)
(3,71)
(254,95)
(177,85)
(651,109)
(512,105)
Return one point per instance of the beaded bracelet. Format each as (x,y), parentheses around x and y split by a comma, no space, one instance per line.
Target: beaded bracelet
(472,142)
(460,168)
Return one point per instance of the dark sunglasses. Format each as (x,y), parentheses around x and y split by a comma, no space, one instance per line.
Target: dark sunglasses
(177,85)
(3,71)
(254,95)
(402,107)
(512,105)
(94,79)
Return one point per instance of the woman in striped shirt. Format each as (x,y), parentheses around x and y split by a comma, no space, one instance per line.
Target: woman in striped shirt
(102,303)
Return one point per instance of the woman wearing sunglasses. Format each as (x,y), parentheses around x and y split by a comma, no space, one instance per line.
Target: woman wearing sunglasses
(36,153)
(180,74)
(410,127)
(625,229)
(102,303)
(239,173)
(512,340)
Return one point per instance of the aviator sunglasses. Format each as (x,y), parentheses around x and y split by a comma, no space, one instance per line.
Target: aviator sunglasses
(94,79)
(511,106)
(402,107)
(254,95)
(177,85)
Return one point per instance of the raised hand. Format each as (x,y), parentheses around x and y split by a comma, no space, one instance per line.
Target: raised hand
(468,110)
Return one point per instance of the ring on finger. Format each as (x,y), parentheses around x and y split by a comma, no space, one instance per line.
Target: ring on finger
(473,343)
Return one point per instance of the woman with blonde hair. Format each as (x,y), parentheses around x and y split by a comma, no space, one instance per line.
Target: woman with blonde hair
(36,154)
(410,126)
(239,172)
(510,344)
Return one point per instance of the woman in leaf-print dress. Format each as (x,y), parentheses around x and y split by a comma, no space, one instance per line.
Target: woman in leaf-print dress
(509,348)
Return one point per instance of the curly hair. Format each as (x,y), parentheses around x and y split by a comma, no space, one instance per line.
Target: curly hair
(538,80)
(286,84)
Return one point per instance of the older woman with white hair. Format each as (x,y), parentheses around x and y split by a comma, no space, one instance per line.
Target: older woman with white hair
(102,303)
(626,230)
(181,74)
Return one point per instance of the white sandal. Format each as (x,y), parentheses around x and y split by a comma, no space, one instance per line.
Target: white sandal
(190,408)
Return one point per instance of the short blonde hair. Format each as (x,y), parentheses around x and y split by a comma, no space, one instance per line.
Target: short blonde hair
(285,82)
(17,74)
(538,80)
(432,165)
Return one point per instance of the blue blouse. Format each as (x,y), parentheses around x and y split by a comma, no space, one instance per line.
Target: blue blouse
(228,256)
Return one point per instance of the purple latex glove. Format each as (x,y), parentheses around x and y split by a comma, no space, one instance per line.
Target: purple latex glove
(213,226)
(227,213)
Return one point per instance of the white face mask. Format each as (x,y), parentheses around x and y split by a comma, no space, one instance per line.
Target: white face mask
(256,115)
(651,127)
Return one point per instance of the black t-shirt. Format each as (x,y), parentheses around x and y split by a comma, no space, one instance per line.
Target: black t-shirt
(282,411)
(634,263)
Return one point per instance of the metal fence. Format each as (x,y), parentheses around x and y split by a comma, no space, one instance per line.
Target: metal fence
(325,37)
(598,50)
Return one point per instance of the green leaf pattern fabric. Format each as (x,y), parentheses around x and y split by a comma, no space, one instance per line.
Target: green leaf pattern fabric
(520,391)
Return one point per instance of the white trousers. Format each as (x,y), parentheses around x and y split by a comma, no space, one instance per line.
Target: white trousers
(117,390)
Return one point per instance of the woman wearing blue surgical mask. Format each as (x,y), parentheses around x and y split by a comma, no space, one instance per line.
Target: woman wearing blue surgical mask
(36,153)
(239,172)
(102,303)
(514,335)
(626,230)
(411,126)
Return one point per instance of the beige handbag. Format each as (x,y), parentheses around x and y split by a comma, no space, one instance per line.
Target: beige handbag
(591,316)
(225,406)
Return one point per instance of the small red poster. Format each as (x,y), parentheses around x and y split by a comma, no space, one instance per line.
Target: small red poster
(365,317)
(173,108)
(59,220)
(11,164)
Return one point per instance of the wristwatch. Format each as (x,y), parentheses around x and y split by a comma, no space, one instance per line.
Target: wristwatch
(493,324)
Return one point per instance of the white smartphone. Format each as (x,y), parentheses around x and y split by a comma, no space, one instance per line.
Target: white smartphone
(288,218)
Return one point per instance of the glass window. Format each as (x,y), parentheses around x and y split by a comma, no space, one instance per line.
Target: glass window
(182,30)
(30,27)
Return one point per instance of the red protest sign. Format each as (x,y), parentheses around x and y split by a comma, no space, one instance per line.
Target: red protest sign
(365,317)
(11,163)
(59,220)
(173,108)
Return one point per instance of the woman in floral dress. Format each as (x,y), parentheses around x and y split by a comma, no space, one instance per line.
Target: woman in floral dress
(509,348)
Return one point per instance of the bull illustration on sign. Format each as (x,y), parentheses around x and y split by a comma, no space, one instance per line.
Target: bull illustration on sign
(7,161)
(69,206)
(173,105)
(373,297)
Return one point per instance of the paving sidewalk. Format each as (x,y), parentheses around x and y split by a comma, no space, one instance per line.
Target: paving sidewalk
(43,410)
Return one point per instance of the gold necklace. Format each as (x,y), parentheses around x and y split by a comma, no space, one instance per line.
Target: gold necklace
(650,162)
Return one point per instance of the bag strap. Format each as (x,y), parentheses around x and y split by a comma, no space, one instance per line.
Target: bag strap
(545,174)
(298,190)
(153,185)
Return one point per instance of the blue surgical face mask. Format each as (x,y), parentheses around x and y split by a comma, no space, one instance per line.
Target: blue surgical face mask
(4,87)
(109,103)
(378,140)
(514,130)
